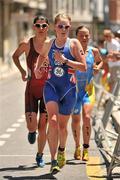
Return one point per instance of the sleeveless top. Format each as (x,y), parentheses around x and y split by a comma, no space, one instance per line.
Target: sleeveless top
(84,78)
(31,62)
(61,75)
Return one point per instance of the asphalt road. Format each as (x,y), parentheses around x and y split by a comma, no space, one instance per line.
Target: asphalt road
(17,156)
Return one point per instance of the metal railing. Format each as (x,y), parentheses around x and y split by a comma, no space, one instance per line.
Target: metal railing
(104,134)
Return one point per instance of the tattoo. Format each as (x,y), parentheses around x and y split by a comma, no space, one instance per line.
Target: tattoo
(87,132)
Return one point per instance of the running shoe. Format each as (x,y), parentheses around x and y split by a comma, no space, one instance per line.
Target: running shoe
(32,137)
(85,156)
(39,160)
(61,158)
(77,154)
(54,167)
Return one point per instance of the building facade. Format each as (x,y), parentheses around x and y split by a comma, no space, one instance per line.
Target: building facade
(16,18)
(15,23)
(114,15)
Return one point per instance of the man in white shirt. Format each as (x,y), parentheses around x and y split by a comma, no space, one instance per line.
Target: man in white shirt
(113,57)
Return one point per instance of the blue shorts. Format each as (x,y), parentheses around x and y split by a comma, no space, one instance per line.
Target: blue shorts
(84,96)
(65,103)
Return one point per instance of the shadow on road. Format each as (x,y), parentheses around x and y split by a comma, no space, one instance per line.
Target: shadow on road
(74,162)
(45,176)
(25,168)
(19,168)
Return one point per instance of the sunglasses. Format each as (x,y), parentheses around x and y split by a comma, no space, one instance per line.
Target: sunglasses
(61,26)
(41,25)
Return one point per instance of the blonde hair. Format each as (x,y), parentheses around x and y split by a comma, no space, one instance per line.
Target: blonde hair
(62,16)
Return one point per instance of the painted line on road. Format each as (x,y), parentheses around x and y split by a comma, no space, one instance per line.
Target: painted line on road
(16,125)
(20,120)
(5,136)
(2,143)
(11,130)
(23,116)
(94,170)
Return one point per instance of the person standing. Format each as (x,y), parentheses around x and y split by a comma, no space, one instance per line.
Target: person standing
(85,94)
(65,56)
(113,56)
(34,87)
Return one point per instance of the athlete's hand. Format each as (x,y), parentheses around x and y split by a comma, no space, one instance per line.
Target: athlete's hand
(23,74)
(38,73)
(59,57)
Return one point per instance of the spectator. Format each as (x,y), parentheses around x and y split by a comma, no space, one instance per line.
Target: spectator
(113,58)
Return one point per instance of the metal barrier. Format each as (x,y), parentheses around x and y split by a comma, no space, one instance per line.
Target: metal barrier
(102,122)
(115,159)
(111,103)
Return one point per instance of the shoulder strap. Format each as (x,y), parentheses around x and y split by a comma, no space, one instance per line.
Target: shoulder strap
(31,43)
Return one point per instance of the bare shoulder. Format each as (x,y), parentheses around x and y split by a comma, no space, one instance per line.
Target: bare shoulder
(74,41)
(24,44)
(75,45)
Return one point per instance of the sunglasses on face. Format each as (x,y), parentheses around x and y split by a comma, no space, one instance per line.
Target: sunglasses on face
(41,25)
(61,26)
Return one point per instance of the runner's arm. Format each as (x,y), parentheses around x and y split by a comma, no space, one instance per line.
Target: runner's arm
(98,61)
(18,52)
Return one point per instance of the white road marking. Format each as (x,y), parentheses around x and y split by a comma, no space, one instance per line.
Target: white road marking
(20,120)
(23,116)
(13,129)
(5,136)
(2,143)
(10,130)
(16,125)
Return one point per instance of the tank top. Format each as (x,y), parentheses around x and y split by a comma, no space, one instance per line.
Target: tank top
(61,75)
(31,62)
(84,78)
